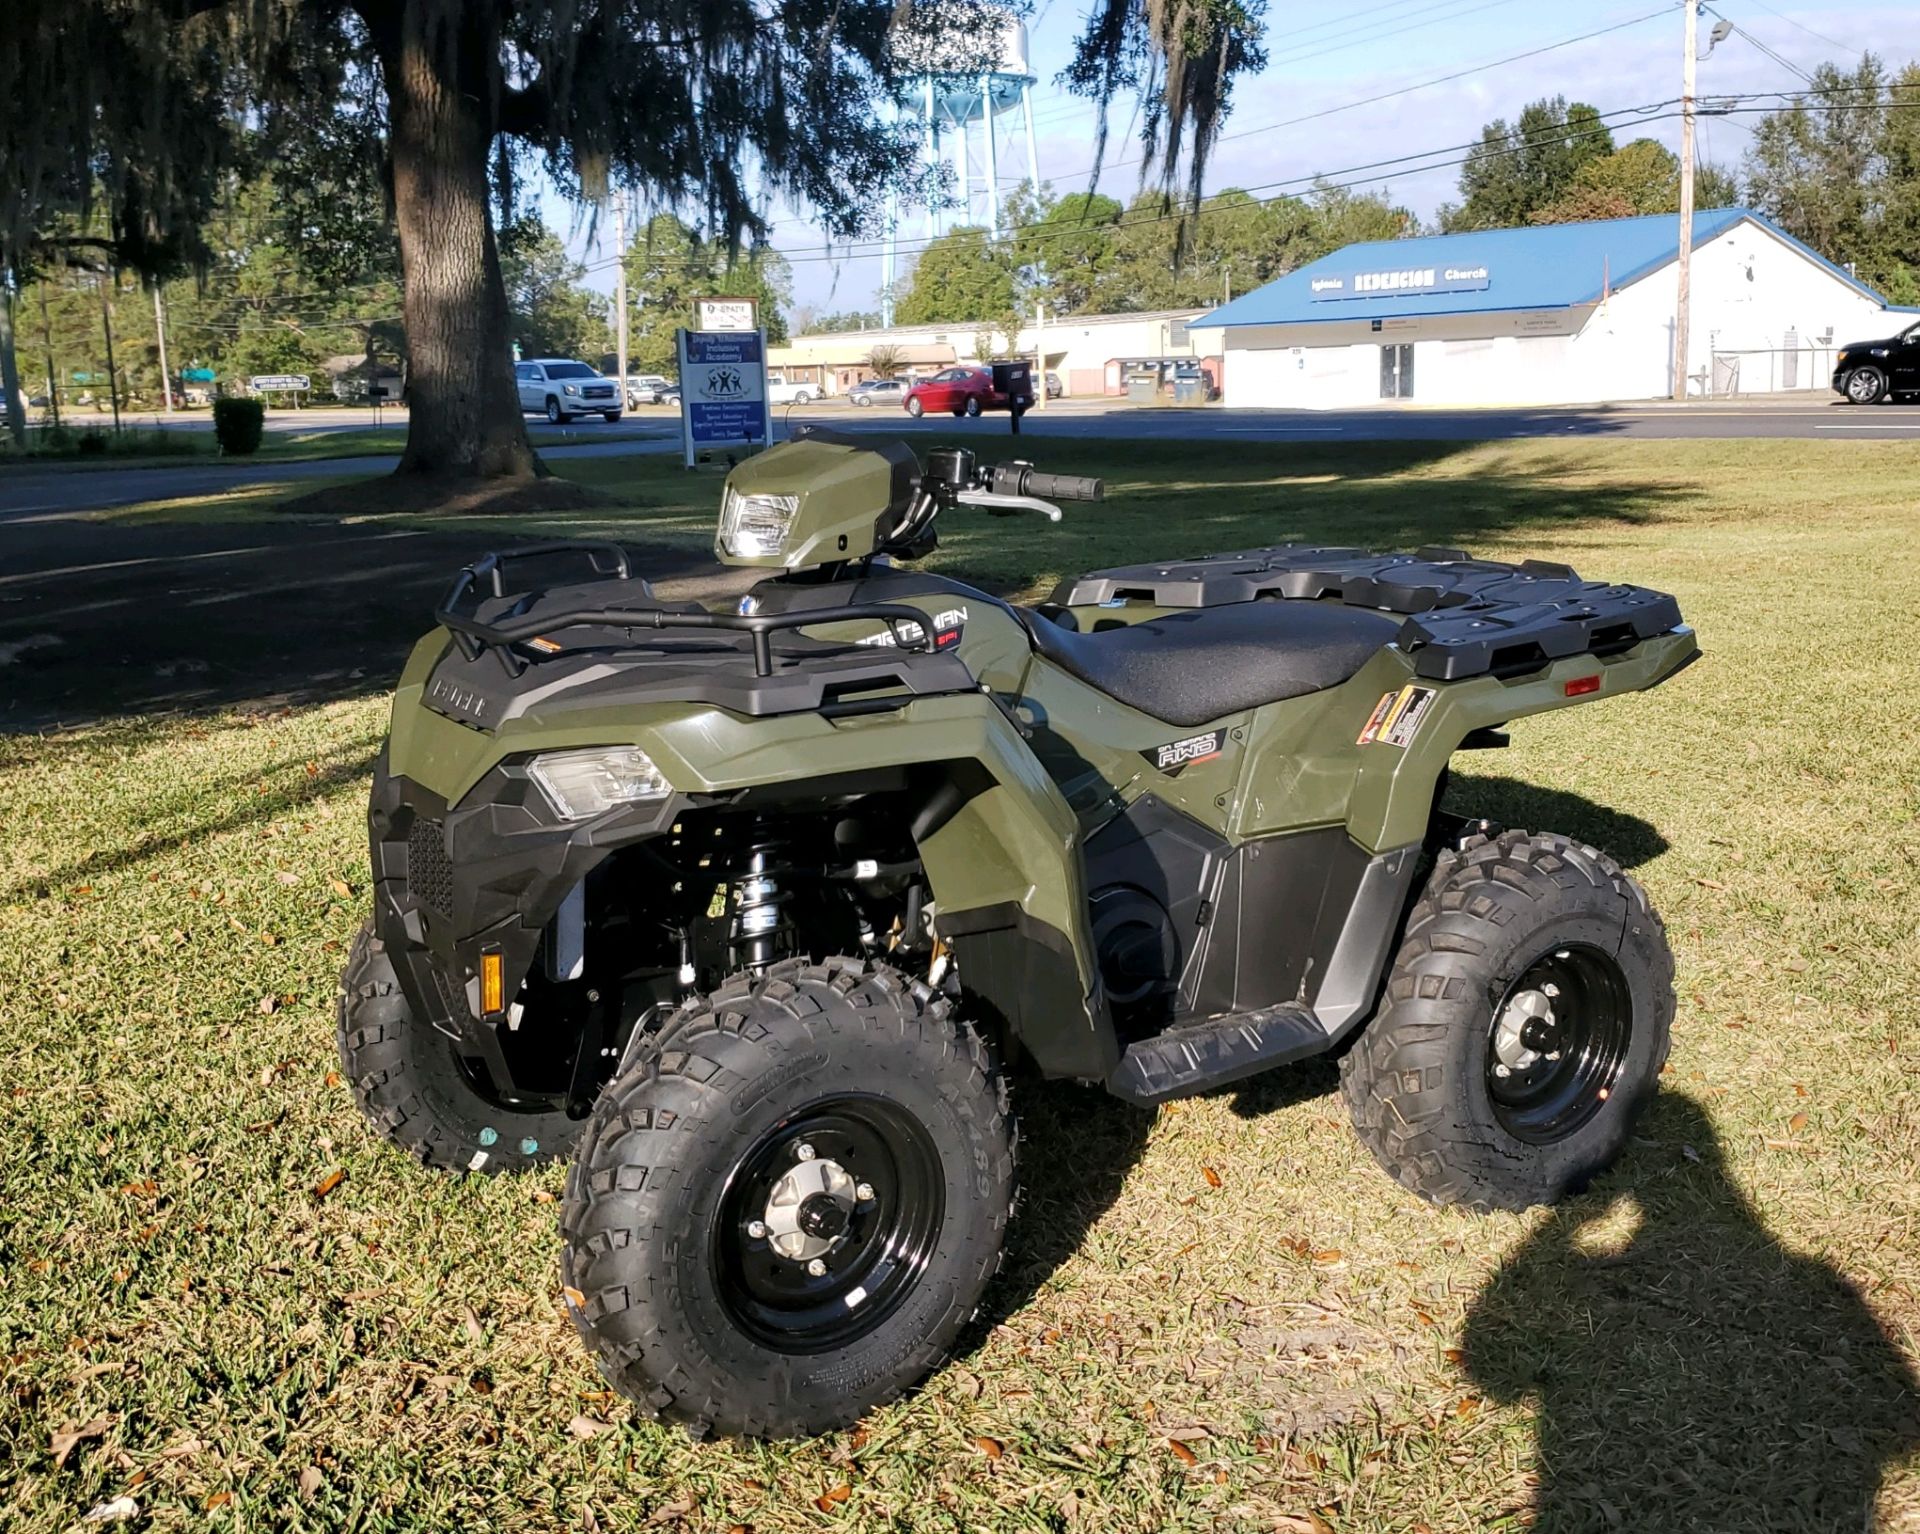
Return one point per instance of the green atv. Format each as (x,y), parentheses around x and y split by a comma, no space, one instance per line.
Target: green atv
(752,912)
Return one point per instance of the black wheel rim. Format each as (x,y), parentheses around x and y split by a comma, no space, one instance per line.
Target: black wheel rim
(1558,1043)
(877,1257)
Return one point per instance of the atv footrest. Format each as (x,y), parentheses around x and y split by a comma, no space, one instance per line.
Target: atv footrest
(1201,1056)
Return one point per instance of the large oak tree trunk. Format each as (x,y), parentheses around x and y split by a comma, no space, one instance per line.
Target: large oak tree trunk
(464,412)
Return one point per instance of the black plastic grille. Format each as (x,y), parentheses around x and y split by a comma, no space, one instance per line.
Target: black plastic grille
(429,870)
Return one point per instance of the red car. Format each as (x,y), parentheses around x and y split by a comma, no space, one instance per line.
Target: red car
(964,391)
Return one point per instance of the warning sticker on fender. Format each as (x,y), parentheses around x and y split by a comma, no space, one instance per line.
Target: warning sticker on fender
(1397,716)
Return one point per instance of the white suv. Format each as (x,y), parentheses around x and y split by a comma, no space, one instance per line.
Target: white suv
(561,389)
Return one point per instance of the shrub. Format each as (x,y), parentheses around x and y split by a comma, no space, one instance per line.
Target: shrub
(238,425)
(91,444)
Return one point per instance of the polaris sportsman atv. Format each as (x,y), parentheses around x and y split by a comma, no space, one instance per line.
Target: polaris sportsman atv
(751,912)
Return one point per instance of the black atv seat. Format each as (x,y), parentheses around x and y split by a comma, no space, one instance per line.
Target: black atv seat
(1191,667)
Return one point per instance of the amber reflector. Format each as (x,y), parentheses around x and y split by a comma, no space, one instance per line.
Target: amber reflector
(493,984)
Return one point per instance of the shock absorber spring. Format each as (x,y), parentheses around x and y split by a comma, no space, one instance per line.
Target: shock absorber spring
(758,899)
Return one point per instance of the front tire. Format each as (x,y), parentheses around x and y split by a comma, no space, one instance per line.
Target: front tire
(1866,386)
(613,417)
(715,1295)
(1526,1019)
(555,414)
(415,1090)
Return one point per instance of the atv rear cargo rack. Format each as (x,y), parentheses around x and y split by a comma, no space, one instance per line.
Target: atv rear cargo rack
(1465,616)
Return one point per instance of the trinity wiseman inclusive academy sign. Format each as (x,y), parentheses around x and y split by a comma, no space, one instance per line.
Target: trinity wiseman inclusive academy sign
(723,390)
(1418,279)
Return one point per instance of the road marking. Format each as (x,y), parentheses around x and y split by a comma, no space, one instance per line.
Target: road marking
(1264,431)
(1874,426)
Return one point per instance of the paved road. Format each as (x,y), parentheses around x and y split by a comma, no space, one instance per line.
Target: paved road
(31,493)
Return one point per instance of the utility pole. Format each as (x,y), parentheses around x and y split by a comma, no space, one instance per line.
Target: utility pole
(1683,300)
(1040,354)
(53,373)
(620,286)
(106,320)
(160,330)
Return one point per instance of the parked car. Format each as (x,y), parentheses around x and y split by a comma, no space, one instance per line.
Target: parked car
(963,391)
(1055,389)
(1867,372)
(647,389)
(669,396)
(878,391)
(780,392)
(561,388)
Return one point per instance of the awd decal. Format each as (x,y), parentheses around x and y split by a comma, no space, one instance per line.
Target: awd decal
(1178,755)
(1397,716)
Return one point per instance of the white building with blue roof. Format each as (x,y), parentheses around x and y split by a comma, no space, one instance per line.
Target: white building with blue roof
(1554,314)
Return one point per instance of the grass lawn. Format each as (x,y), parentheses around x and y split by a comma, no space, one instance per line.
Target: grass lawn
(256,1315)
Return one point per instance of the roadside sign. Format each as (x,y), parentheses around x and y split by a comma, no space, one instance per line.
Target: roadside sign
(724,314)
(723,390)
(197,375)
(277,383)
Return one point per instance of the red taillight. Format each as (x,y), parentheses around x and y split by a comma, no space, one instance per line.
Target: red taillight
(1580,686)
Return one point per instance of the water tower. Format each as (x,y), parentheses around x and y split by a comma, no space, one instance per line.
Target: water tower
(969,88)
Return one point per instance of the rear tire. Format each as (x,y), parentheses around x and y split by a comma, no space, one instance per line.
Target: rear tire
(915,408)
(1524,931)
(700,1320)
(410,1083)
(1866,386)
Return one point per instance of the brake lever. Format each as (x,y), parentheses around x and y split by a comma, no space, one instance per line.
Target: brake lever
(992,502)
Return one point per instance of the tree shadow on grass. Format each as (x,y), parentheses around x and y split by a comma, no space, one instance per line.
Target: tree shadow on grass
(1627,839)
(1077,1147)
(221,810)
(1696,1375)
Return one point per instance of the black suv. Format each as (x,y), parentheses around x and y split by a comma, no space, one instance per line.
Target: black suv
(1867,372)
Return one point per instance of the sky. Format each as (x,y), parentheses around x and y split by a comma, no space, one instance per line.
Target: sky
(1313,110)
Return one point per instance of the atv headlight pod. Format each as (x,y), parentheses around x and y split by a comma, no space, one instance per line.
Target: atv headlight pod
(756,526)
(579,784)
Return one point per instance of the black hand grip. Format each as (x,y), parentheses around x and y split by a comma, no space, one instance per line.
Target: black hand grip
(1065,487)
(1024,479)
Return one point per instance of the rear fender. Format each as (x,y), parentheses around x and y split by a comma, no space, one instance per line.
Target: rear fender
(1393,789)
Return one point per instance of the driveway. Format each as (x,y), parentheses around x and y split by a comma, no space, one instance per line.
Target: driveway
(99,619)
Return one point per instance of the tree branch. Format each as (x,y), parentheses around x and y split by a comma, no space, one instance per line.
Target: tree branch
(525,112)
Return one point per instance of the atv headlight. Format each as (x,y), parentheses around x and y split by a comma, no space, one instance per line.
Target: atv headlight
(756,526)
(583,783)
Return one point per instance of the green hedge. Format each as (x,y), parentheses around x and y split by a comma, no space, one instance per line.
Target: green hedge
(238,425)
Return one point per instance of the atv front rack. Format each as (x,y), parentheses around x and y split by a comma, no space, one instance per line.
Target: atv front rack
(533,616)
(1465,616)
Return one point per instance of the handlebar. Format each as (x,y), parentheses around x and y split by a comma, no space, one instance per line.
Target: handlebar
(1024,479)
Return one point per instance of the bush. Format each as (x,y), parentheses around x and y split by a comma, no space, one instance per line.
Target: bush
(91,444)
(238,425)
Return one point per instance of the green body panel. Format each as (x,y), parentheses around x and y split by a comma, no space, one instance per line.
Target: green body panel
(845,495)
(1016,843)
(1393,795)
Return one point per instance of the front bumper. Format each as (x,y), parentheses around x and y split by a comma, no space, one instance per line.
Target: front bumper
(454,882)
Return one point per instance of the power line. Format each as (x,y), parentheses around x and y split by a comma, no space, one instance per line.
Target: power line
(1831,42)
